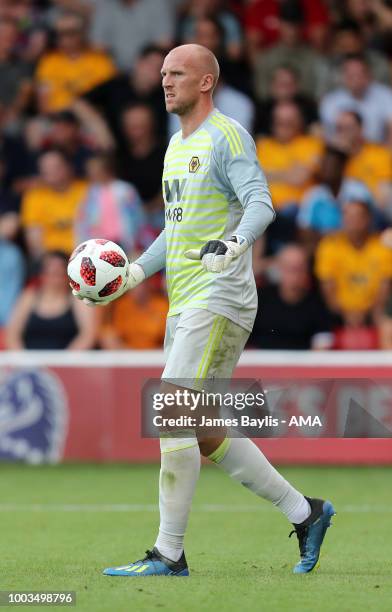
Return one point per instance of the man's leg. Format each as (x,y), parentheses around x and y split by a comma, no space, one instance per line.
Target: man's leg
(208,346)
(180,468)
(245,462)
(240,457)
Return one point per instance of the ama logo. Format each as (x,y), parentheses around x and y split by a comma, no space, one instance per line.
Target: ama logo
(33,417)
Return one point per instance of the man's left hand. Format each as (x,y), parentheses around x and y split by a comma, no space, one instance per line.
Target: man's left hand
(217,255)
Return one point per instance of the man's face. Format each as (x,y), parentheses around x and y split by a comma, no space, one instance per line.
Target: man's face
(181,82)
(203,8)
(293,269)
(359,10)
(356,77)
(348,131)
(284,85)
(69,33)
(147,71)
(290,33)
(356,219)
(17,9)
(331,170)
(64,132)
(54,170)
(54,272)
(138,123)
(208,35)
(8,37)
(346,42)
(286,122)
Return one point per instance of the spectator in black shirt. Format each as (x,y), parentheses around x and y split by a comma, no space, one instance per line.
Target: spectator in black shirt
(140,161)
(291,314)
(65,133)
(284,87)
(15,75)
(142,85)
(9,213)
(19,155)
(209,32)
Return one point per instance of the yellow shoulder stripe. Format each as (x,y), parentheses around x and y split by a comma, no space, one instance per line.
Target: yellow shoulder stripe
(225,132)
(232,129)
(230,132)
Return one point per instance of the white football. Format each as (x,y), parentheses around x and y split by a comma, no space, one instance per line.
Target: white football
(97,269)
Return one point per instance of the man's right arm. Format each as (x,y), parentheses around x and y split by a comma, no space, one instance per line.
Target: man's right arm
(151,261)
(154,258)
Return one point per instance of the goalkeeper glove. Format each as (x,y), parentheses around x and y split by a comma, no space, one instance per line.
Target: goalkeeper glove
(217,255)
(135,277)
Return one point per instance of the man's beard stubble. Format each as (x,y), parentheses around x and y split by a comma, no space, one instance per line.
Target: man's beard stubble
(183,109)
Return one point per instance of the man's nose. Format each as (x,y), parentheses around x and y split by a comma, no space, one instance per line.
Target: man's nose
(166,81)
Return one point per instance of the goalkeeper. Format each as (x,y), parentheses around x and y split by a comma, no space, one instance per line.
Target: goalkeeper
(217,204)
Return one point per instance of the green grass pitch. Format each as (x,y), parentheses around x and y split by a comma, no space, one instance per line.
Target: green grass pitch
(60,526)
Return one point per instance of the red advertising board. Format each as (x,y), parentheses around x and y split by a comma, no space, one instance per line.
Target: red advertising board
(87,406)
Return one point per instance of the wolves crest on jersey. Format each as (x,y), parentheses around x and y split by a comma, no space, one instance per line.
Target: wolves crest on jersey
(194,164)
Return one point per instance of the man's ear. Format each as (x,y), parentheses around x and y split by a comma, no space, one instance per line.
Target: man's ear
(207,83)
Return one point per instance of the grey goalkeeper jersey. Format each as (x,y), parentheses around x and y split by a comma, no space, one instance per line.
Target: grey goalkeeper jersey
(213,187)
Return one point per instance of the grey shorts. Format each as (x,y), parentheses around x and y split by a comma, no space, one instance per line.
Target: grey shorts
(201,345)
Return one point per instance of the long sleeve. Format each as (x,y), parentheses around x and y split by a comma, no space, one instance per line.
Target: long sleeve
(239,171)
(154,258)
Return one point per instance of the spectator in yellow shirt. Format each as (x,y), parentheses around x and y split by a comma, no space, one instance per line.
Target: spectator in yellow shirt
(72,68)
(369,162)
(354,267)
(49,209)
(290,158)
(136,320)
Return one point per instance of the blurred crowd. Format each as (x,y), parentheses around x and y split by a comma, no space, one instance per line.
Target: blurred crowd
(83,133)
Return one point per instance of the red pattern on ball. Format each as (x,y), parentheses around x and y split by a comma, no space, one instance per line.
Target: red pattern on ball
(113,258)
(74,284)
(101,240)
(87,271)
(111,287)
(78,250)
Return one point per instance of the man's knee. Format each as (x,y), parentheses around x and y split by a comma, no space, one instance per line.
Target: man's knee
(173,427)
(209,445)
(172,404)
